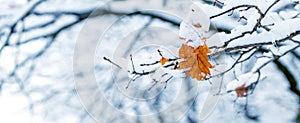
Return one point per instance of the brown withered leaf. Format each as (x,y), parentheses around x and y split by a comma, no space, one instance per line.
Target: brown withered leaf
(241,91)
(195,60)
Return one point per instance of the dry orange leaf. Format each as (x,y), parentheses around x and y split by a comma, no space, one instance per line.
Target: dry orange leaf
(163,60)
(196,60)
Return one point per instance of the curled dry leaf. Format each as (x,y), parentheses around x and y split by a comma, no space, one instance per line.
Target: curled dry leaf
(242,91)
(163,60)
(243,83)
(195,60)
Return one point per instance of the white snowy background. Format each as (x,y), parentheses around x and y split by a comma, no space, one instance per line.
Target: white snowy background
(38,39)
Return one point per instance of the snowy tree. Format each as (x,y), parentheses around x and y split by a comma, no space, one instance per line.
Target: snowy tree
(130,61)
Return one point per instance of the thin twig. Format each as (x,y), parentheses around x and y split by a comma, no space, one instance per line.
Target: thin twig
(106,59)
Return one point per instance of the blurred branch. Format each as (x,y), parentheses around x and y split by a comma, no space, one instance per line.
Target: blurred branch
(24,13)
(27,11)
(289,76)
(40,26)
(296,54)
(276,57)
(103,11)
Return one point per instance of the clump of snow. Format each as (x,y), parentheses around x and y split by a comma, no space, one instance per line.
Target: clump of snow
(190,34)
(279,31)
(246,79)
(198,16)
(192,30)
(262,4)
